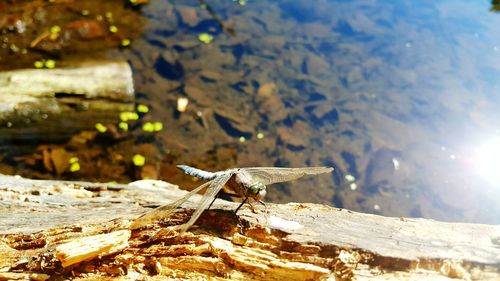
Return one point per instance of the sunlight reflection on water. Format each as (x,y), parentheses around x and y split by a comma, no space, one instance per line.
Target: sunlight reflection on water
(486,160)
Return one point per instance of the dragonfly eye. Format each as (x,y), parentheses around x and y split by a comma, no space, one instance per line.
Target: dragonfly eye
(257,191)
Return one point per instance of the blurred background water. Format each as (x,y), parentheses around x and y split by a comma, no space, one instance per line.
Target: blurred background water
(400,97)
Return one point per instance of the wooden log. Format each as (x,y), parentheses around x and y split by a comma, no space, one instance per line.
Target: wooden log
(52,104)
(42,221)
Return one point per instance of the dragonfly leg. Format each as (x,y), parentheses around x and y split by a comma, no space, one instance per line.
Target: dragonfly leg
(252,208)
(220,195)
(264,204)
(244,201)
(211,203)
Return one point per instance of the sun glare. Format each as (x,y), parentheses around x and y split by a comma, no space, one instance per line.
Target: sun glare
(486,160)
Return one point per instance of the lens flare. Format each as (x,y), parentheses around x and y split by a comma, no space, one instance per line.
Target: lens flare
(486,160)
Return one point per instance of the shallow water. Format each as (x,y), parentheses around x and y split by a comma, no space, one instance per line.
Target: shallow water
(399,96)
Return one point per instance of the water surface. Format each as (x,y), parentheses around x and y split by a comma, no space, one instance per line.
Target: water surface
(400,97)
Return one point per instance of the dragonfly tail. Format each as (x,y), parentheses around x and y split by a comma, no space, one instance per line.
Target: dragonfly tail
(196,172)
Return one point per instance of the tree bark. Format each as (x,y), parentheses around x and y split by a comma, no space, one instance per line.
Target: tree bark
(53,229)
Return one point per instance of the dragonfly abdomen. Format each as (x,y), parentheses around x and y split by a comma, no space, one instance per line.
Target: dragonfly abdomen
(197,172)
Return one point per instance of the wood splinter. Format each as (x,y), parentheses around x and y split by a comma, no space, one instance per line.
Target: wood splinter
(88,248)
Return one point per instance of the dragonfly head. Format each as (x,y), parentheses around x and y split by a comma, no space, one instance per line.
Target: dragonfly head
(257,191)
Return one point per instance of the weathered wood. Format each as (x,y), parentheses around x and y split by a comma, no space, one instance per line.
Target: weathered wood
(55,103)
(88,248)
(39,219)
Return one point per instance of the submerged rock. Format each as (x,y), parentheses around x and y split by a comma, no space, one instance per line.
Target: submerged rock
(290,140)
(189,16)
(269,103)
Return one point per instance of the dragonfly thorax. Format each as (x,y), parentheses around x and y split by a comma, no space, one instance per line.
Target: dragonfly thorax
(251,186)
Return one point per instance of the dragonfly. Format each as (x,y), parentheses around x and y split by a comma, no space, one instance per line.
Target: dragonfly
(247,183)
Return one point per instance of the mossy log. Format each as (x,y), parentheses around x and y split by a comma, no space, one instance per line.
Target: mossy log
(78,230)
(53,104)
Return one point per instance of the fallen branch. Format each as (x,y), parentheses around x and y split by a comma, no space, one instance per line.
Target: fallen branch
(48,230)
(53,104)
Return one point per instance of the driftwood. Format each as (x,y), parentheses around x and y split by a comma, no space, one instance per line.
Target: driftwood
(52,104)
(60,230)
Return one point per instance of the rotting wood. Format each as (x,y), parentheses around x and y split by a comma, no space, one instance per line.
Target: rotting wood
(55,103)
(290,241)
(23,276)
(90,247)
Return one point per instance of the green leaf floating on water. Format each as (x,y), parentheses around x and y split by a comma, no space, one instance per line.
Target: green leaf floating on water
(100,128)
(123,126)
(158,126)
(128,115)
(55,29)
(50,64)
(139,160)
(142,108)
(152,127)
(75,167)
(125,42)
(38,64)
(205,38)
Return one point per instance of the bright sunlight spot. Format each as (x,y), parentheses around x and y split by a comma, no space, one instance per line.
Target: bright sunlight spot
(486,160)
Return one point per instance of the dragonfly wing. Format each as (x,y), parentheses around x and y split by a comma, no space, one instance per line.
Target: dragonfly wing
(165,210)
(270,175)
(215,186)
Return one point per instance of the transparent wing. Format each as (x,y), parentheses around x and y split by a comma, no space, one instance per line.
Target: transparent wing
(215,186)
(165,210)
(269,175)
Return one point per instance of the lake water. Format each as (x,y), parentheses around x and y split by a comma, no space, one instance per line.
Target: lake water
(400,97)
